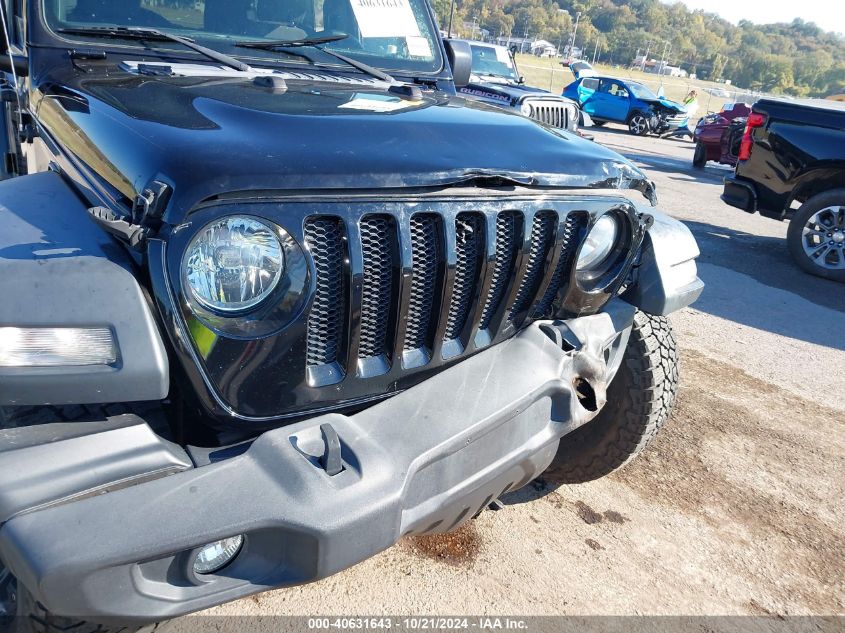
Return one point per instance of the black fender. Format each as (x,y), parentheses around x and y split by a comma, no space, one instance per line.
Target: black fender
(59,269)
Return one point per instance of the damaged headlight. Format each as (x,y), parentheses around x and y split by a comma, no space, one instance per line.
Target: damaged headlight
(233,264)
(599,244)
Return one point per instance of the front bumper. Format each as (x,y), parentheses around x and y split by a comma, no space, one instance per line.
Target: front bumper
(425,461)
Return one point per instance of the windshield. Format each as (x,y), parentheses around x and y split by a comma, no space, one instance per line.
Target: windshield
(640,91)
(493,60)
(393,35)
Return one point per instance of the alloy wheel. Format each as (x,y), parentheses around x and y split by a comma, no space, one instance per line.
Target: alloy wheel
(823,238)
(639,125)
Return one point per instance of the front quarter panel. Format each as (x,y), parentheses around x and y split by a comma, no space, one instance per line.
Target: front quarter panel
(667,276)
(59,270)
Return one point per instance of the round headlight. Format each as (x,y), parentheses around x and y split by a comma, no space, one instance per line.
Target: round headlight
(233,264)
(599,244)
(525,109)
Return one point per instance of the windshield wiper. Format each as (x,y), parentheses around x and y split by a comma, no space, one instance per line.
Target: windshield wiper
(305,41)
(314,42)
(139,33)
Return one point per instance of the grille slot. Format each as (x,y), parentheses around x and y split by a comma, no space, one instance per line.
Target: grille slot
(508,236)
(378,240)
(552,114)
(426,254)
(325,240)
(568,245)
(542,239)
(469,244)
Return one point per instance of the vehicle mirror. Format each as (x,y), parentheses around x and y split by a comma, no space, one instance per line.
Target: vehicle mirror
(460,59)
(521,79)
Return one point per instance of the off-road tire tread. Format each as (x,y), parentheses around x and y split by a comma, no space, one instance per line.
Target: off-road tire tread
(639,401)
(34,618)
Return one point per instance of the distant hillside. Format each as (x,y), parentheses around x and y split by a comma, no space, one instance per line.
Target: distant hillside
(799,58)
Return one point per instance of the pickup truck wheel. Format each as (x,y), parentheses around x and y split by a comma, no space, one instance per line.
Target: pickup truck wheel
(699,158)
(816,235)
(638,124)
(639,401)
(20,612)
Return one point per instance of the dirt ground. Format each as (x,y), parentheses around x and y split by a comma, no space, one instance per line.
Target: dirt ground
(738,508)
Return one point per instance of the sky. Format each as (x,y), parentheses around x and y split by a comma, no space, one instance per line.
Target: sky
(827,14)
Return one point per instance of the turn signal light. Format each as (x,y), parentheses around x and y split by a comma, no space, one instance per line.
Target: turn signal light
(57,346)
(755,120)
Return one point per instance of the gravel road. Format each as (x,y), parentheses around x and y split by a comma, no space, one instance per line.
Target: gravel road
(738,507)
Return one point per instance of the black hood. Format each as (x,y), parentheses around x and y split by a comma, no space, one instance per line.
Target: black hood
(510,92)
(208,136)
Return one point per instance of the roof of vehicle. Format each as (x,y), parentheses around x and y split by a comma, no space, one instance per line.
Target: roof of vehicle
(820,104)
(476,42)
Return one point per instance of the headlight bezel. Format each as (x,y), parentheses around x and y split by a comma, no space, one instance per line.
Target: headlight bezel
(609,268)
(281,306)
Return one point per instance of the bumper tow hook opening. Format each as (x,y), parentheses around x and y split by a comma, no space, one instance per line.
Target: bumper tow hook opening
(585,393)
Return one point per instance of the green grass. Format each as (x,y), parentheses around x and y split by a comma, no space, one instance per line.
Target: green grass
(548,74)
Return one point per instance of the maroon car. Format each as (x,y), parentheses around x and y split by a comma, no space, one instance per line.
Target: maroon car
(717,136)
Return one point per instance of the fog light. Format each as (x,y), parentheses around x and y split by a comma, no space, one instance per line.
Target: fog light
(56,347)
(215,556)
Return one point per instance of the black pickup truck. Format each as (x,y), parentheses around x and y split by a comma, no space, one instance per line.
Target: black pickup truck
(792,166)
(275,296)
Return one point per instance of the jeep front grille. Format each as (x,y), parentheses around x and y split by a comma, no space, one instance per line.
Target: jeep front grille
(396,293)
(552,113)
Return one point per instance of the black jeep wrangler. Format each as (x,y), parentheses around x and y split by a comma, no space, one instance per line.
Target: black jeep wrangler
(273,298)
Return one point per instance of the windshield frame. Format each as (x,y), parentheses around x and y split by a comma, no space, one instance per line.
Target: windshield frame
(42,34)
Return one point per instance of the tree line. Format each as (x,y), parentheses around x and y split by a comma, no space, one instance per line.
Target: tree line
(798,58)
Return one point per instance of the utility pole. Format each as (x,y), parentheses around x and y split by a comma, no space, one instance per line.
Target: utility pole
(574,33)
(596,50)
(451,15)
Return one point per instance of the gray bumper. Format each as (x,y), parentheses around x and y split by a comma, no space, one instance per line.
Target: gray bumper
(424,461)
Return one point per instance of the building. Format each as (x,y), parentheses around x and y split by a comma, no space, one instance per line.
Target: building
(541,48)
(658,68)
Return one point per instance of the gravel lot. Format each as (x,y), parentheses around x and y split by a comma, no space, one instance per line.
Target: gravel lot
(739,506)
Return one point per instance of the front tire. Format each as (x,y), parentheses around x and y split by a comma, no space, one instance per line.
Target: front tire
(816,235)
(639,401)
(638,124)
(699,158)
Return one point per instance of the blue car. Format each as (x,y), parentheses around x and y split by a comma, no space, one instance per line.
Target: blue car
(623,101)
